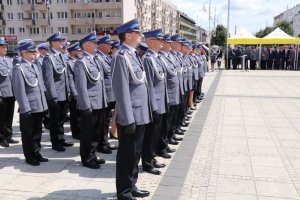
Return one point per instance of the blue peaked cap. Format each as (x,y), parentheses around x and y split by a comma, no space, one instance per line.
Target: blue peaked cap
(74,47)
(176,38)
(116,44)
(2,41)
(89,37)
(29,46)
(44,45)
(21,42)
(132,25)
(155,33)
(167,38)
(106,39)
(55,37)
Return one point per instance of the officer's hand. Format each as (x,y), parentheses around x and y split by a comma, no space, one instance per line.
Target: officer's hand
(28,114)
(53,102)
(155,115)
(86,112)
(129,129)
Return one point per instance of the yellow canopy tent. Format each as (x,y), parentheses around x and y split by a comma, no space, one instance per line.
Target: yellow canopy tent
(278,36)
(243,37)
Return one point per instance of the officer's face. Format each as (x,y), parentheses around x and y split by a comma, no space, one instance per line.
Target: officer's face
(3,50)
(134,37)
(29,55)
(105,48)
(90,47)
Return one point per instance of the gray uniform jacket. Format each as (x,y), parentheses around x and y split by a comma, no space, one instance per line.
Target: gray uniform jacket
(89,82)
(175,59)
(105,61)
(253,55)
(184,71)
(129,85)
(173,87)
(157,83)
(17,60)
(55,76)
(201,65)
(70,70)
(264,54)
(195,65)
(6,67)
(28,87)
(39,66)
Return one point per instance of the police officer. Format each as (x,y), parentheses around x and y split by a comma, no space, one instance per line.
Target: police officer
(91,100)
(74,53)
(253,56)
(18,58)
(157,85)
(7,100)
(57,90)
(133,112)
(114,48)
(29,92)
(104,48)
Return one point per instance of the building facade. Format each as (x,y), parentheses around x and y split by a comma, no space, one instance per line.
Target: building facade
(186,26)
(292,16)
(202,35)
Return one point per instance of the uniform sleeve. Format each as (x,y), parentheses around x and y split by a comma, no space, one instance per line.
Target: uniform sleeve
(38,64)
(150,79)
(81,86)
(120,86)
(18,84)
(47,70)
(71,81)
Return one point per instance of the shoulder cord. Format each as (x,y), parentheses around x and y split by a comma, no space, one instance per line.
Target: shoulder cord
(105,69)
(28,83)
(53,65)
(168,68)
(89,75)
(4,74)
(154,67)
(135,79)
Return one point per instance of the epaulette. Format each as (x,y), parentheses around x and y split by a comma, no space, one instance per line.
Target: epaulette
(121,52)
(80,57)
(148,54)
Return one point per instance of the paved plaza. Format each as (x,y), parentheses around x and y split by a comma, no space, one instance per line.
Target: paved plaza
(243,144)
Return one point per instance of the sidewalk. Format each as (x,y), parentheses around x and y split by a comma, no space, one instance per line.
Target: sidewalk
(243,143)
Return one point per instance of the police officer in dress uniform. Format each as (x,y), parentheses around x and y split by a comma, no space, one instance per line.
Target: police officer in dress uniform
(114,48)
(7,100)
(202,70)
(29,92)
(104,48)
(133,112)
(91,100)
(173,88)
(18,58)
(156,78)
(55,77)
(43,50)
(74,53)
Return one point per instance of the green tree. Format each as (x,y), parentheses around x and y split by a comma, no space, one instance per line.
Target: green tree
(284,25)
(219,36)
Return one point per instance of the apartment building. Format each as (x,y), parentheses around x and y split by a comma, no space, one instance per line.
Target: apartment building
(37,19)
(186,26)
(291,15)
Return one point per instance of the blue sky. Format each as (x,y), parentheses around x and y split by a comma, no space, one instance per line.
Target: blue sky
(252,15)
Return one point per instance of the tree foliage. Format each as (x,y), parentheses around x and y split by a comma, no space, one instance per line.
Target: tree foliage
(219,36)
(284,25)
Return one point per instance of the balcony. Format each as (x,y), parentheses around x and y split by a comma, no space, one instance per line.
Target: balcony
(35,7)
(93,6)
(92,21)
(42,22)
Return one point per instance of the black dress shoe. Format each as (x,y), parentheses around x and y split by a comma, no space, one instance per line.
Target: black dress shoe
(179,132)
(91,164)
(77,137)
(187,117)
(112,147)
(173,142)
(59,148)
(183,130)
(66,143)
(188,112)
(156,164)
(104,149)
(12,141)
(183,124)
(140,193)
(32,162)
(177,138)
(170,150)
(100,161)
(192,108)
(40,158)
(165,155)
(4,143)
(153,171)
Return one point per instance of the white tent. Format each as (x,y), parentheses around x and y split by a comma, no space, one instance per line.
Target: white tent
(243,37)
(278,36)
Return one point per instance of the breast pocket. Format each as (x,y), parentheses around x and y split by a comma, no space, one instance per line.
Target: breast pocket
(4,71)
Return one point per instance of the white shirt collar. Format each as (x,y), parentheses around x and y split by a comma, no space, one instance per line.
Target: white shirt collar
(130,48)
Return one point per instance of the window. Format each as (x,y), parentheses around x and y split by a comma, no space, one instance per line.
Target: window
(32,1)
(61,1)
(11,30)
(34,31)
(62,15)
(77,15)
(34,15)
(21,31)
(46,30)
(89,15)
(46,17)
(20,16)
(10,16)
(2,30)
(63,30)
(20,2)
(9,2)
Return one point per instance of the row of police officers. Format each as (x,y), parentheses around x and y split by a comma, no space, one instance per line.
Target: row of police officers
(153,92)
